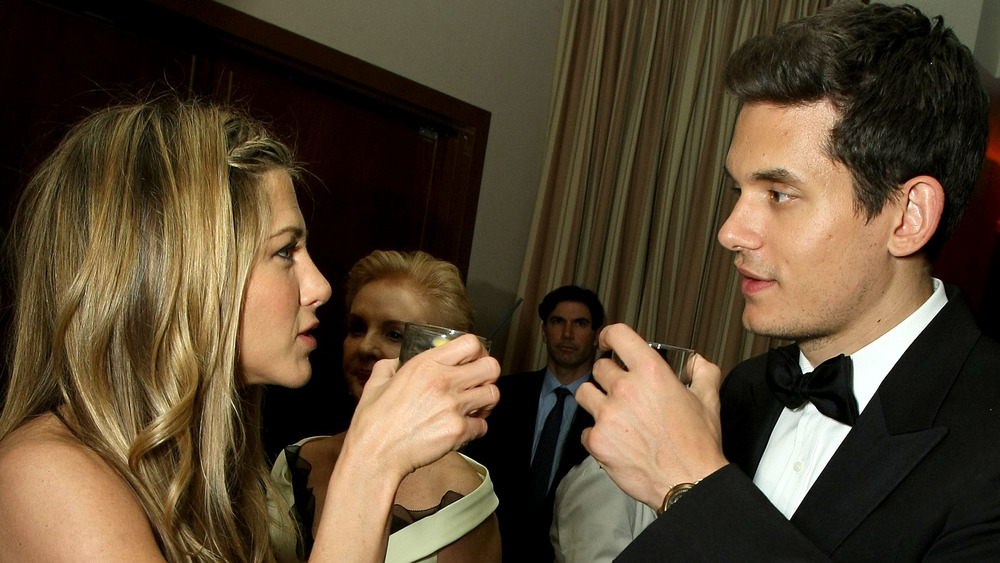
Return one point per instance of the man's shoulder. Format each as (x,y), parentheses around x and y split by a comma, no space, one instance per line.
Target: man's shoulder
(521,381)
(748,369)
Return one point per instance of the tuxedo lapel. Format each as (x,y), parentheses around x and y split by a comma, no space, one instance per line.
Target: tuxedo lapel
(869,464)
(893,434)
(749,413)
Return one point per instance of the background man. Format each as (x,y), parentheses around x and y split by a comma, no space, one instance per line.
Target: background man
(526,462)
(858,143)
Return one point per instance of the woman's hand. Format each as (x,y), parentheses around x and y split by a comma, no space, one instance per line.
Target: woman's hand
(413,415)
(406,418)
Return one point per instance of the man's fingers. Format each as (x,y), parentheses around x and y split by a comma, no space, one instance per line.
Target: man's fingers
(590,397)
(706,377)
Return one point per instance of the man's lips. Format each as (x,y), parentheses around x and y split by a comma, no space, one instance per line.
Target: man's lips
(753,283)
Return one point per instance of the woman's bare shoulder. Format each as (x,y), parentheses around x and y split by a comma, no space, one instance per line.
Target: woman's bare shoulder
(59,498)
(424,487)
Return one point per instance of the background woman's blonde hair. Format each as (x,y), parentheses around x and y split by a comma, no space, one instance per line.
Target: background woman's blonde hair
(437,281)
(135,240)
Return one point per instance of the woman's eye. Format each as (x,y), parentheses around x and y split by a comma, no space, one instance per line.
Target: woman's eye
(395,335)
(287,251)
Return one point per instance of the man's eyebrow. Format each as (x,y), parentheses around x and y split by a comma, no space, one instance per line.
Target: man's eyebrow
(782,175)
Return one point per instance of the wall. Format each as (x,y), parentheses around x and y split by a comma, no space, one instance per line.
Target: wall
(499,56)
(975,22)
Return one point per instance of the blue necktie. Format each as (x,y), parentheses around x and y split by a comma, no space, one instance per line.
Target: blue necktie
(541,466)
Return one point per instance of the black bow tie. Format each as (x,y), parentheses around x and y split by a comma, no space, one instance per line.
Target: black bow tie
(829,387)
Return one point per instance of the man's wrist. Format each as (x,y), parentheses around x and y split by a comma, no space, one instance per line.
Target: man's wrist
(674,493)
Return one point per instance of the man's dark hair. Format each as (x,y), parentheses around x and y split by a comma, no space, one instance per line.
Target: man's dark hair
(908,92)
(573,293)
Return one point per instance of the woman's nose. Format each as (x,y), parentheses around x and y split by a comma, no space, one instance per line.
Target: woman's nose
(315,289)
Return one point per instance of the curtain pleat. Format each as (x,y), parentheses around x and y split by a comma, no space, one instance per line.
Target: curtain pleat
(633,188)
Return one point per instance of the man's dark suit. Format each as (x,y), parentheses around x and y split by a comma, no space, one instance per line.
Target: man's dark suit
(506,451)
(918,477)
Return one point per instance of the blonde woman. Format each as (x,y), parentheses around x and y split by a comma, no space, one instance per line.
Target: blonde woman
(161,275)
(444,511)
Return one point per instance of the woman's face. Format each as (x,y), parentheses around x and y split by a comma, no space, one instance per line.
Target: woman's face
(282,295)
(375,327)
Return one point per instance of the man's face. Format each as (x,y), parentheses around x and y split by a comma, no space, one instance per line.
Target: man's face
(813,268)
(570,335)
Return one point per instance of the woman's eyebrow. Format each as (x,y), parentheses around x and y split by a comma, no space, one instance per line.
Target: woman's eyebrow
(296,231)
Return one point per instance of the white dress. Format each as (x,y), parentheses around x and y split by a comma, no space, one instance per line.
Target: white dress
(417,542)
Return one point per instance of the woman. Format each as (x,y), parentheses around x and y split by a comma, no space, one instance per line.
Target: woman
(161,274)
(444,511)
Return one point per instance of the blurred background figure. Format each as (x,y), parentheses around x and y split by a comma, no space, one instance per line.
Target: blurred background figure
(444,510)
(534,433)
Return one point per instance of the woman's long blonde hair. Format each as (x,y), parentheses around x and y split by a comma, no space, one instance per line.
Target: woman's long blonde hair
(134,242)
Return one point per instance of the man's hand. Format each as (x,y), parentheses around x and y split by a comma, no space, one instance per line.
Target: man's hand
(650,431)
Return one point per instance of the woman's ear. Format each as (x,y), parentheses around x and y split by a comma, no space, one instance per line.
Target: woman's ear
(922,199)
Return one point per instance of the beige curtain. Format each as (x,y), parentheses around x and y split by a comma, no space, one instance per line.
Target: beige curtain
(632,192)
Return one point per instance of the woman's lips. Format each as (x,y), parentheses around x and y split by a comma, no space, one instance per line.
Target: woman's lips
(308,339)
(361,375)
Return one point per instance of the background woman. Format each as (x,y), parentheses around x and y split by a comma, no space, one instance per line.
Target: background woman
(161,271)
(443,511)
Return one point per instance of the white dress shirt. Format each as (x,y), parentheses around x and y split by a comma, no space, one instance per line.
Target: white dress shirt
(803,440)
(593,520)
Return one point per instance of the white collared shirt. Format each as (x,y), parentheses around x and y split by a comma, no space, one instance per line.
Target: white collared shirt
(803,440)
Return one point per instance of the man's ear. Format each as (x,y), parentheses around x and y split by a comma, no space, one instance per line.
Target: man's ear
(922,204)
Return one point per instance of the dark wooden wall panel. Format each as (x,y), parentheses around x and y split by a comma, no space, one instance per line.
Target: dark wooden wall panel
(391,163)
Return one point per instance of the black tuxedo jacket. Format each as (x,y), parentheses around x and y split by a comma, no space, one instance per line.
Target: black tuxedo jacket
(506,451)
(917,478)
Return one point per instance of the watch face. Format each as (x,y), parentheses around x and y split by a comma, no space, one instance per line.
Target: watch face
(674,494)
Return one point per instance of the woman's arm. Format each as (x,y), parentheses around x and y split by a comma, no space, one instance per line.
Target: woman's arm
(406,419)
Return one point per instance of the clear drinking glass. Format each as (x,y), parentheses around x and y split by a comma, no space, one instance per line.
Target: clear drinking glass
(418,337)
(677,358)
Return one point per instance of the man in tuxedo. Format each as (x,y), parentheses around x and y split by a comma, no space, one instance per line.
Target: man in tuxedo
(859,140)
(534,431)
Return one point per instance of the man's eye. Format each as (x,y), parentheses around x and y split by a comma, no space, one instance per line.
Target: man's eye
(394,335)
(779,197)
